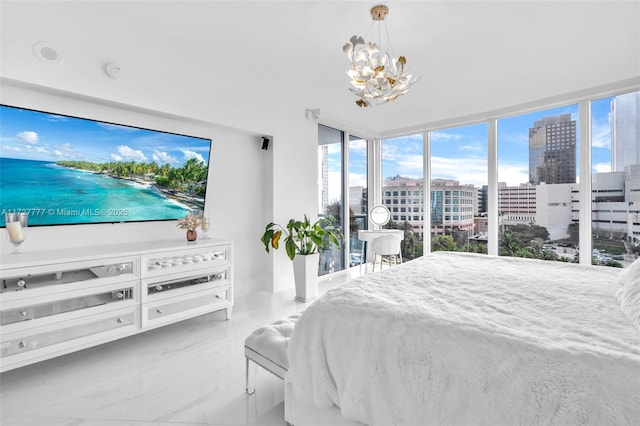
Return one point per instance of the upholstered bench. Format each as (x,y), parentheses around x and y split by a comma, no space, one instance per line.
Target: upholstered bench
(267,347)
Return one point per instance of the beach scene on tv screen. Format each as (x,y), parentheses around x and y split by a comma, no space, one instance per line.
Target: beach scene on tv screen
(65,170)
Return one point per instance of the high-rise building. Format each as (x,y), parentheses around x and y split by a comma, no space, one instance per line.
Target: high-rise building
(625,131)
(452,204)
(616,204)
(552,150)
(517,204)
(404,197)
(323,184)
(483,200)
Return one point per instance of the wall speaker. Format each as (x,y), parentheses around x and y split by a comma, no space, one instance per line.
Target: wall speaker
(265,142)
(46,52)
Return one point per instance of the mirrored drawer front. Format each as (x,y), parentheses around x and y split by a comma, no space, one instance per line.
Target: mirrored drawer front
(67,305)
(165,286)
(30,281)
(37,341)
(185,305)
(206,256)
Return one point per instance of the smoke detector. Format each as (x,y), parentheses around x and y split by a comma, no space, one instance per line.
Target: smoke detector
(112,70)
(47,53)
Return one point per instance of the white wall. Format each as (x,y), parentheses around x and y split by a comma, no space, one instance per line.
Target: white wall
(235,192)
(294,174)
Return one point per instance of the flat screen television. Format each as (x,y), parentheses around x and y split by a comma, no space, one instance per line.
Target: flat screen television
(65,170)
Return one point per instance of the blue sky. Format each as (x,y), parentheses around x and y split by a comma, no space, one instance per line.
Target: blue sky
(461,153)
(33,135)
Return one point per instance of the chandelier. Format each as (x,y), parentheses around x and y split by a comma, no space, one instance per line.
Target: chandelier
(376,77)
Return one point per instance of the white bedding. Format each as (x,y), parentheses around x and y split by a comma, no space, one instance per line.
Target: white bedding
(464,339)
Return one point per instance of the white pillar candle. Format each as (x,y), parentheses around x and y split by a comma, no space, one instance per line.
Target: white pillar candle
(14,229)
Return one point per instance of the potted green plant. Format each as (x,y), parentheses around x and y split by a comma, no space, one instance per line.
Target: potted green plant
(302,241)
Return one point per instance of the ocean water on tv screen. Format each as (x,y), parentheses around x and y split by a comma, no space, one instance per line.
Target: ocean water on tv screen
(56,195)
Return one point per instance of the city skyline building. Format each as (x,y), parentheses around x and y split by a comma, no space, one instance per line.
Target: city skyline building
(625,131)
(452,204)
(552,150)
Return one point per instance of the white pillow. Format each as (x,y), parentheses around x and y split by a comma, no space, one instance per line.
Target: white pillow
(629,295)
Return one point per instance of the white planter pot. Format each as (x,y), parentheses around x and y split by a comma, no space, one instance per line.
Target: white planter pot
(305,274)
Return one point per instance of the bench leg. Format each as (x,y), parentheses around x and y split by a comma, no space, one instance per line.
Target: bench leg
(250,388)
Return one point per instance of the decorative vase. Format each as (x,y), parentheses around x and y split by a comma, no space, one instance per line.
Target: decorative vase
(192,235)
(305,274)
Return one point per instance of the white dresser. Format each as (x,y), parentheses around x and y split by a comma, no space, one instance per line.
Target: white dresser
(57,302)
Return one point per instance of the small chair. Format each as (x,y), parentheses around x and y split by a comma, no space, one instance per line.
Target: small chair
(386,246)
(267,347)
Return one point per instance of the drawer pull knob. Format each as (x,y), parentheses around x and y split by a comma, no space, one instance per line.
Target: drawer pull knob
(22,344)
(21,283)
(159,311)
(119,295)
(22,313)
(119,320)
(158,288)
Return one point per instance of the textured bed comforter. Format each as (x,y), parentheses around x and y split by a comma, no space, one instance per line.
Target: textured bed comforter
(464,339)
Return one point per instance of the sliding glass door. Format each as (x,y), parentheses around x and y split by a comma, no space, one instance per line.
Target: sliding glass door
(330,194)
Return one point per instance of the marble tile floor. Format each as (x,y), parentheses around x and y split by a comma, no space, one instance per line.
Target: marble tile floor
(188,373)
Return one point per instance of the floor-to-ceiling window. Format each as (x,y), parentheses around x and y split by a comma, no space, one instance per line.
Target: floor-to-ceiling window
(358,195)
(403,190)
(538,188)
(330,194)
(458,181)
(537,184)
(615,184)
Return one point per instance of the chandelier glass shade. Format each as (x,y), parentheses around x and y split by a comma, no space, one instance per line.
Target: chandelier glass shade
(376,77)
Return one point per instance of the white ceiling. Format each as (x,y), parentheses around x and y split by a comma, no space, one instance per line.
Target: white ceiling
(216,60)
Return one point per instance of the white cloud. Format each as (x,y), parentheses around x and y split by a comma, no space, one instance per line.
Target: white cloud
(188,154)
(358,146)
(66,147)
(28,137)
(161,157)
(358,179)
(109,126)
(129,154)
(116,157)
(56,118)
(12,148)
(601,133)
(513,174)
(334,148)
(410,166)
(334,184)
(445,137)
(601,167)
(57,153)
(465,170)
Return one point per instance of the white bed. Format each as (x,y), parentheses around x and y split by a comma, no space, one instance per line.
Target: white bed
(464,339)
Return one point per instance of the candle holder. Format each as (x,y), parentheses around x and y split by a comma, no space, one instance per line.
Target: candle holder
(16,226)
(205,224)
